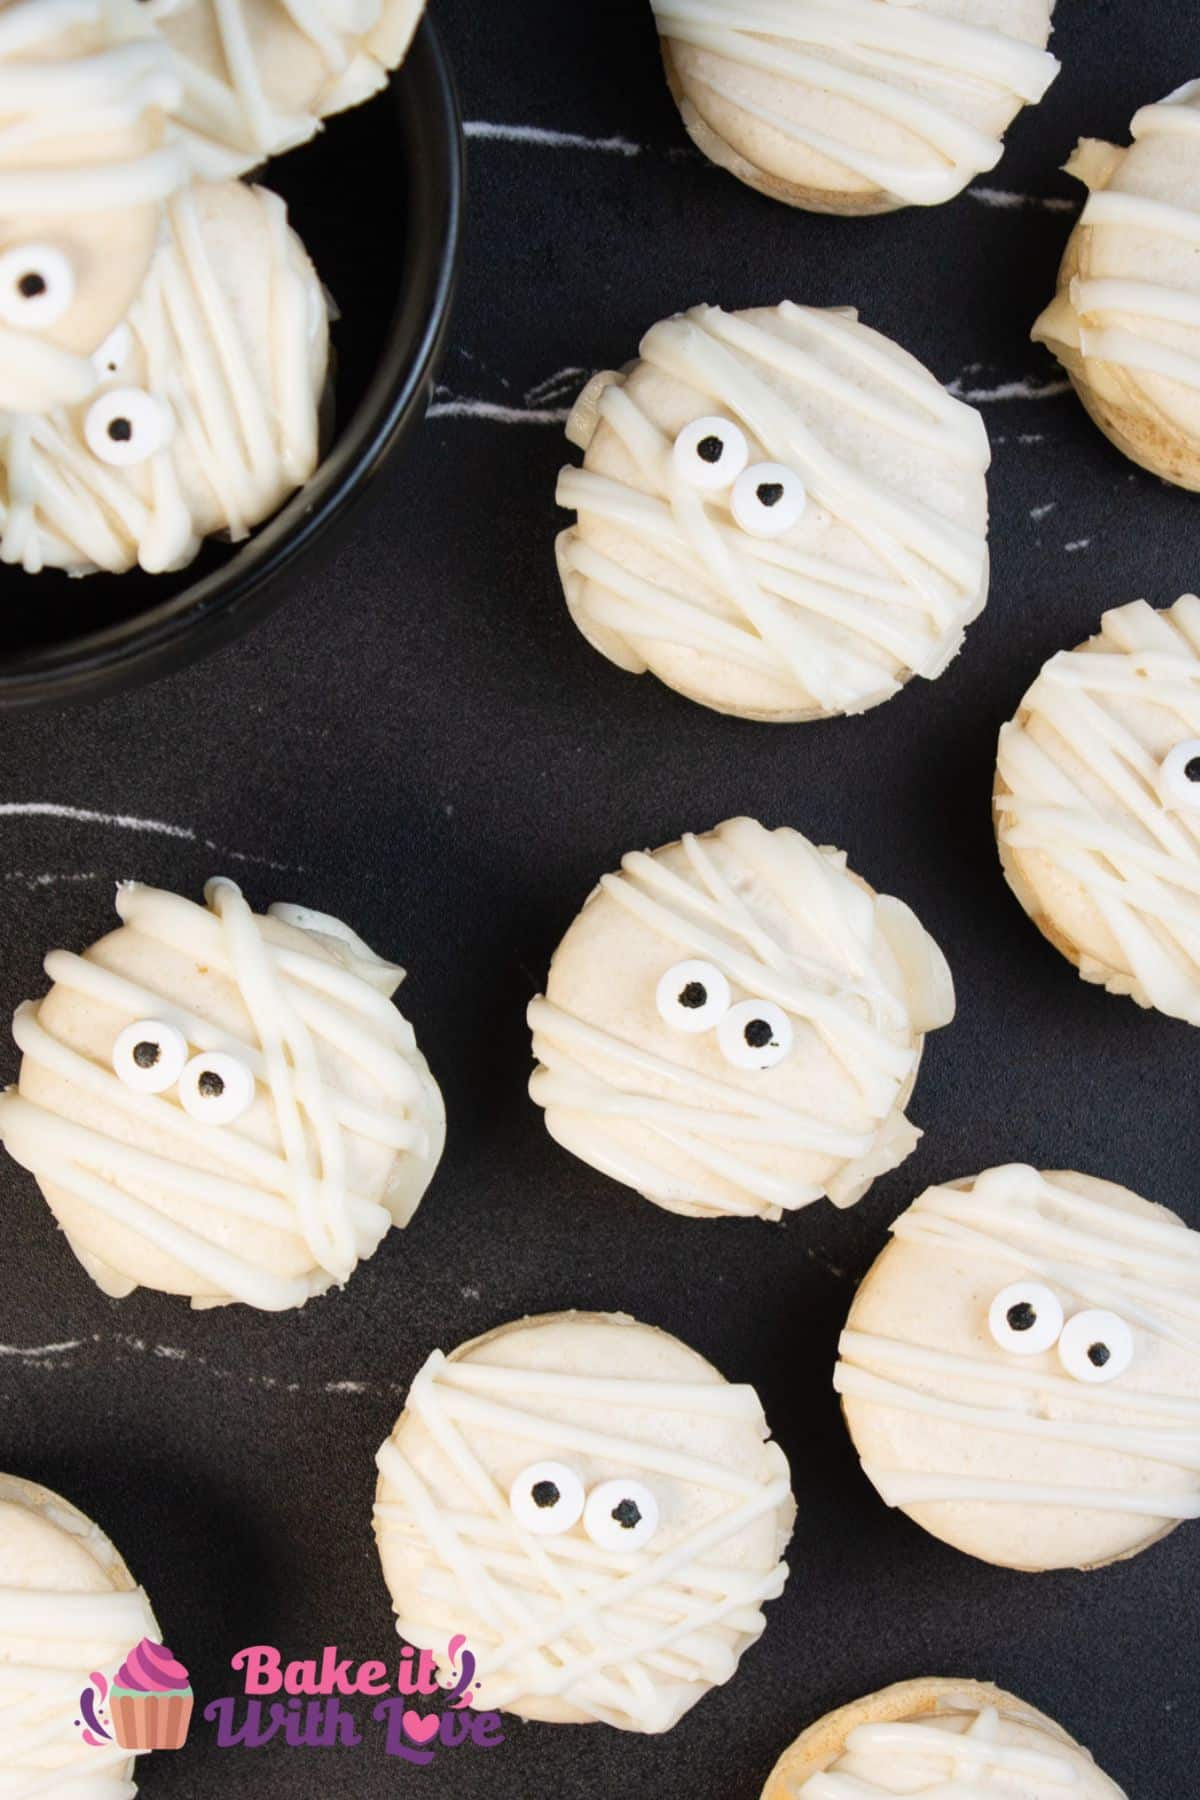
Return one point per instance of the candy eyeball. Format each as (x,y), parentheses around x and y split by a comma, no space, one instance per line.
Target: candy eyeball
(546,1498)
(149,1056)
(710,454)
(1179,775)
(755,1034)
(767,500)
(37,285)
(113,353)
(693,997)
(125,426)
(1095,1346)
(215,1088)
(620,1515)
(1026,1318)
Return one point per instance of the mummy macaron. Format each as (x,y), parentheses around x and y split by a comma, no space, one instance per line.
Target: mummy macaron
(1020,1370)
(1097,803)
(205,414)
(85,166)
(259,78)
(221,1104)
(1125,322)
(780,513)
(597,1509)
(733,1025)
(71,1610)
(857,107)
(949,1740)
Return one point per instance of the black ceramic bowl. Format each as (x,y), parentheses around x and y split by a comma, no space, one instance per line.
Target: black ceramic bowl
(377,199)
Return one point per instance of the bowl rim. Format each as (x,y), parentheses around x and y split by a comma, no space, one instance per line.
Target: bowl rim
(206,614)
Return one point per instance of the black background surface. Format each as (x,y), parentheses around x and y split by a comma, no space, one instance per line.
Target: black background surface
(424,740)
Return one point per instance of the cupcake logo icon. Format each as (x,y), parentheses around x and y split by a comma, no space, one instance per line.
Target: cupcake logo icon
(146,1706)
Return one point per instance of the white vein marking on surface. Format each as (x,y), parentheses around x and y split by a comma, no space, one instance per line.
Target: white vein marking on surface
(50,879)
(1078,544)
(499,415)
(57,1356)
(1029,389)
(1009,202)
(1042,512)
(86,815)
(554,386)
(548,140)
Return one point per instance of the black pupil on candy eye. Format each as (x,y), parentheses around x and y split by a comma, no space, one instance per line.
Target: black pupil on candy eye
(1192,769)
(210,1085)
(757,1034)
(770,493)
(146,1054)
(627,1514)
(1098,1355)
(1021,1317)
(120,430)
(545,1494)
(31,285)
(694,995)
(710,449)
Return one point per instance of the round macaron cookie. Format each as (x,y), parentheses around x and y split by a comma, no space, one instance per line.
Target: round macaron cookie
(86,162)
(858,107)
(203,416)
(72,1609)
(937,1737)
(595,1507)
(1097,803)
(780,513)
(259,77)
(734,1023)
(223,1104)
(1020,1369)
(1125,321)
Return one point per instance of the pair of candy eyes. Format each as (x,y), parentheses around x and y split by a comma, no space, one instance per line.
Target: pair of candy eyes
(712,455)
(693,997)
(151,1056)
(1028,1318)
(548,1498)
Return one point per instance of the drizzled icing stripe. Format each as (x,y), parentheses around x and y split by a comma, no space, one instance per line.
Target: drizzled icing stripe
(619,1637)
(297,1003)
(1113,319)
(841,996)
(839,638)
(247,442)
(953,1765)
(871,53)
(1144,1268)
(1078,771)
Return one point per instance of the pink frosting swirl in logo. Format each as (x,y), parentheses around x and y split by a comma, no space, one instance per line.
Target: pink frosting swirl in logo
(151,1669)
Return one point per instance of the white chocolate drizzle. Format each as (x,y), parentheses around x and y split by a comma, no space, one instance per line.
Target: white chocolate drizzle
(1098,1255)
(841,632)
(228,112)
(628,1639)
(304,1010)
(726,1129)
(247,443)
(884,57)
(923,1757)
(1113,319)
(60,1636)
(1081,770)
